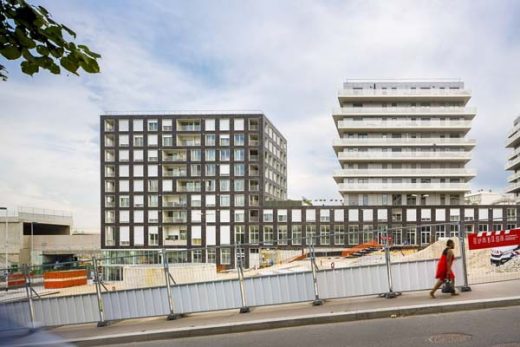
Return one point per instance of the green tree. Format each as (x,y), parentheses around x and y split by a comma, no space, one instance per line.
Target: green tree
(29,33)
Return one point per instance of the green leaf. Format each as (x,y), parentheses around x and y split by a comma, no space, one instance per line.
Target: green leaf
(29,68)
(23,39)
(71,33)
(55,69)
(11,52)
(70,64)
(89,65)
(42,50)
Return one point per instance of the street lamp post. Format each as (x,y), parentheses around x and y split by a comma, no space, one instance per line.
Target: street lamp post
(32,242)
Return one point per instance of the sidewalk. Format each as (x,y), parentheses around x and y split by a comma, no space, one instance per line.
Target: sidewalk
(498,294)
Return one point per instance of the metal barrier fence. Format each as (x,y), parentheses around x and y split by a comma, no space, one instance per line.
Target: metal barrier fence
(101,290)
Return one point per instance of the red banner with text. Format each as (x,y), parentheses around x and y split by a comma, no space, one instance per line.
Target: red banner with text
(492,239)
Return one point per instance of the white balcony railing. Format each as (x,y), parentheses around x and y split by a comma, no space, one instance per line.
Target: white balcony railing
(514,177)
(349,92)
(403,187)
(430,110)
(370,124)
(345,142)
(405,172)
(404,155)
(511,164)
(511,188)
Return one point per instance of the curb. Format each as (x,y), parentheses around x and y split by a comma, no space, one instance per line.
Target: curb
(323,318)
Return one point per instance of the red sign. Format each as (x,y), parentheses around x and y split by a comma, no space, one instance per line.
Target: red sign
(492,239)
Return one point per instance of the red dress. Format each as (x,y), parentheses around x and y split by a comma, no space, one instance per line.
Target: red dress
(442,267)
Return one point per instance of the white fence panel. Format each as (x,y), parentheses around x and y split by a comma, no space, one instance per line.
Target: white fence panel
(420,275)
(278,289)
(135,303)
(353,281)
(16,313)
(66,310)
(206,296)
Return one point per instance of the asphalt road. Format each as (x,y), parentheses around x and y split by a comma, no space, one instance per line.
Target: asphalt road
(493,327)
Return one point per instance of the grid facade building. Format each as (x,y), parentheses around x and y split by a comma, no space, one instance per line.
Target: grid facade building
(188,181)
(403,142)
(513,162)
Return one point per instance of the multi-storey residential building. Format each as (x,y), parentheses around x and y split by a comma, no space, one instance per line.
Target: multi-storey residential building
(403,142)
(513,164)
(188,181)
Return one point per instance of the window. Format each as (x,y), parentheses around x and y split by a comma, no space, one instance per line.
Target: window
(268,235)
(152,170)
(153,236)
(153,185)
(210,140)
(339,235)
(324,235)
(310,234)
(225,154)
(224,140)
(239,155)
(254,234)
(239,170)
(210,200)
(138,201)
(138,216)
(239,140)
(153,125)
(224,169)
(196,200)
(282,235)
(225,256)
(124,216)
(268,216)
(209,124)
(153,216)
(153,201)
(211,170)
(239,185)
(138,155)
(124,201)
(123,140)
(339,215)
(137,124)
(109,236)
(225,200)
(225,185)
(238,124)
(195,154)
(167,140)
(296,234)
(153,155)
(210,155)
(124,236)
(324,215)
(123,125)
(224,124)
(282,216)
(296,216)
(124,155)
(167,125)
(239,200)
(124,171)
(124,186)
(240,216)
(152,140)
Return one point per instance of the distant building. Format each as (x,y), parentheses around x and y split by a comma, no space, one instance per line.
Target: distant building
(403,142)
(41,236)
(483,197)
(513,163)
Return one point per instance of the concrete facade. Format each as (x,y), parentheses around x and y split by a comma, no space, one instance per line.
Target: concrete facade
(513,162)
(403,142)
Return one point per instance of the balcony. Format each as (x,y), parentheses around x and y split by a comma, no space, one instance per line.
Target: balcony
(403,187)
(401,142)
(513,188)
(189,125)
(353,95)
(513,164)
(421,125)
(514,177)
(405,173)
(403,156)
(411,110)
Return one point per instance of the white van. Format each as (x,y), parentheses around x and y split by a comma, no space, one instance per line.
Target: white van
(501,255)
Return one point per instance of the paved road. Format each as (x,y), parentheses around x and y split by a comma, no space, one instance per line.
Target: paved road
(492,327)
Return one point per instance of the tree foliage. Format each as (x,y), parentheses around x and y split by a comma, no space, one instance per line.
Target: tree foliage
(29,33)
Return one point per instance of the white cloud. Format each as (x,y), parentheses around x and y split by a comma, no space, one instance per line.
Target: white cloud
(285,58)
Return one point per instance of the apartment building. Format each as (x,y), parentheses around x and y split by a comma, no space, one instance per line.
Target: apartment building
(188,181)
(403,142)
(513,163)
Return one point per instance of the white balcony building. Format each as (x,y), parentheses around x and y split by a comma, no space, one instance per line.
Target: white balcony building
(513,163)
(403,142)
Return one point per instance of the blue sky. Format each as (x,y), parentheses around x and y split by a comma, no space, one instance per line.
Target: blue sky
(287,59)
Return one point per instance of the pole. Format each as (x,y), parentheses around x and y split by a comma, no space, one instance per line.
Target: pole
(32,238)
(6,250)
(240,271)
(390,294)
(28,291)
(101,308)
(462,237)
(172,315)
(317,301)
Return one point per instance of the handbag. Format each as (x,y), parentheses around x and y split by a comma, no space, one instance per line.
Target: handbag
(447,287)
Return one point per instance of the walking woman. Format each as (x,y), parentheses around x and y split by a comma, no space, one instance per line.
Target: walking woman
(444,268)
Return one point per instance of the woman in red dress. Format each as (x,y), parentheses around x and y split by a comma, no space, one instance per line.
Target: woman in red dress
(444,271)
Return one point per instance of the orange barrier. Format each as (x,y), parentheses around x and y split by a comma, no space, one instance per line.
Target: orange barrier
(64,279)
(15,280)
